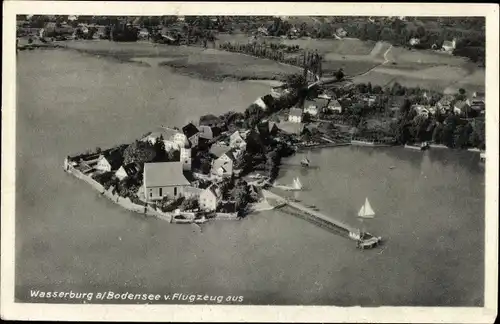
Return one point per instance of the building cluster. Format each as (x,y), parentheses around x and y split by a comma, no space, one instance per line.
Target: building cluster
(175,179)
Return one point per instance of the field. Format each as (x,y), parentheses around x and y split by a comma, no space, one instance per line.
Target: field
(378,63)
(204,63)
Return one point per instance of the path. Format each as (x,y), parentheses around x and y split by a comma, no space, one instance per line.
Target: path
(386,60)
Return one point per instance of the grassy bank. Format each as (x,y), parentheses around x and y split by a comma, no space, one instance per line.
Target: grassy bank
(207,64)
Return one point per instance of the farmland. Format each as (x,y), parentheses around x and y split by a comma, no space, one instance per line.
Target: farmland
(365,61)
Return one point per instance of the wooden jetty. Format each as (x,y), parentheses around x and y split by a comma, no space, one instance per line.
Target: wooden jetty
(310,211)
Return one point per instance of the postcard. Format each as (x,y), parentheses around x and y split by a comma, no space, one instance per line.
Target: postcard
(250,162)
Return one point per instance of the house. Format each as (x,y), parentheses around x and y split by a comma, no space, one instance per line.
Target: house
(223,165)
(260,102)
(478,107)
(341,32)
(209,132)
(192,134)
(295,115)
(421,110)
(370,100)
(478,95)
(279,91)
(185,158)
(172,138)
(414,41)
(263,31)
(144,33)
(192,191)
(334,105)
(311,110)
(445,103)
(236,140)
(325,95)
(109,161)
(312,107)
(127,170)
(449,46)
(164,179)
(461,107)
(266,128)
(210,198)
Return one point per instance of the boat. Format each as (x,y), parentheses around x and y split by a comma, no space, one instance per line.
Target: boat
(305,162)
(365,240)
(482,156)
(422,147)
(297,185)
(366,210)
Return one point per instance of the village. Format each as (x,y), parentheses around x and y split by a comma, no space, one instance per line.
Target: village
(220,167)
(215,168)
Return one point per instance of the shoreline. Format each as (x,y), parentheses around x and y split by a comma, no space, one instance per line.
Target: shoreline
(254,208)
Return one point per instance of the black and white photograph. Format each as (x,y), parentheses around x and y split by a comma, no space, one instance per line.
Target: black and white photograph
(232,155)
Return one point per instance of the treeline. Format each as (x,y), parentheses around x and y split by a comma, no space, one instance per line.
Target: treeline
(410,126)
(448,129)
(277,52)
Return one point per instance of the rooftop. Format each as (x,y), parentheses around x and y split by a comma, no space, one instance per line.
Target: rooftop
(167,133)
(164,174)
(114,157)
(296,112)
(190,130)
(131,168)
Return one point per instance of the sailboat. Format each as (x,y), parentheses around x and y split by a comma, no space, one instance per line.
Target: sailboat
(366,210)
(297,185)
(364,239)
(305,162)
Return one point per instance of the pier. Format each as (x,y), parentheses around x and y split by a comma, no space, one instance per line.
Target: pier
(318,217)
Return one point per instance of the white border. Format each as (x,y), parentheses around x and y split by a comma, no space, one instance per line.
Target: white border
(11,310)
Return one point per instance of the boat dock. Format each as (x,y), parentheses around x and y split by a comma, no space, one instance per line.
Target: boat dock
(316,215)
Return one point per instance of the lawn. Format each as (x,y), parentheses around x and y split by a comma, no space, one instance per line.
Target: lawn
(351,68)
(223,65)
(204,63)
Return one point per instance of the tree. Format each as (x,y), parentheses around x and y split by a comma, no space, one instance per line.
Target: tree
(240,194)
(339,74)
(447,135)
(159,148)
(477,137)
(295,82)
(461,136)
(254,114)
(202,161)
(377,89)
(139,152)
(418,128)
(437,133)
(189,204)
(405,108)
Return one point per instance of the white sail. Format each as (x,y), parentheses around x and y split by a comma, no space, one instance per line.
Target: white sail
(366,210)
(297,184)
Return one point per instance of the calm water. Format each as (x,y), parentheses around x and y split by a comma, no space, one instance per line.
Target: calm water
(430,207)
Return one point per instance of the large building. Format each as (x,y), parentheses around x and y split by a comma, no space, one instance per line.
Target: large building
(295,115)
(164,179)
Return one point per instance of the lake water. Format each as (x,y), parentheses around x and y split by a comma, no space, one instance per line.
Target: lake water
(430,207)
